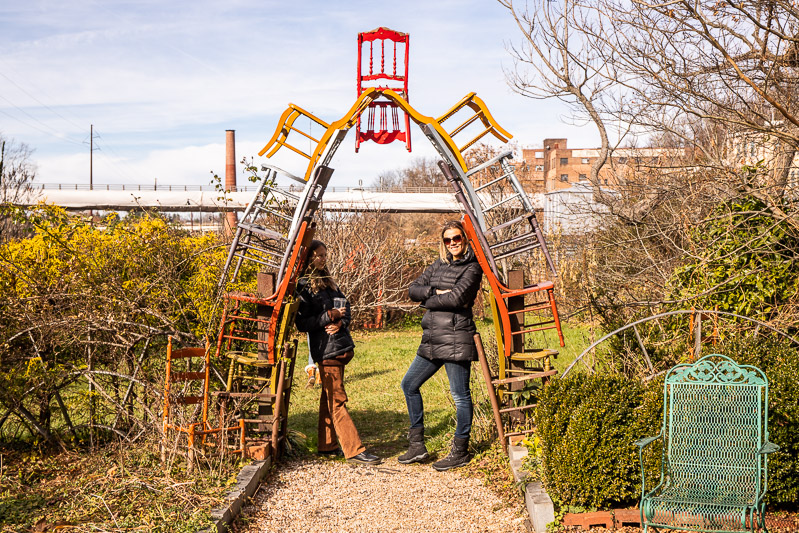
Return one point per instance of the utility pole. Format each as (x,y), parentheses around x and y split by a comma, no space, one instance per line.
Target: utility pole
(91,156)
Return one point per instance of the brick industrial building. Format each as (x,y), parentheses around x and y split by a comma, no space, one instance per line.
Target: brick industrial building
(556,166)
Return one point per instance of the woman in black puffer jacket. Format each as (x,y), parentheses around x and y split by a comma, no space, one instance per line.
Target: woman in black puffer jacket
(447,289)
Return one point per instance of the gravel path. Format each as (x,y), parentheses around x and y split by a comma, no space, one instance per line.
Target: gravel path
(331,496)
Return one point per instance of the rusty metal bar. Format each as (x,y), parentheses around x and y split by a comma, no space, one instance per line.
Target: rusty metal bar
(492,395)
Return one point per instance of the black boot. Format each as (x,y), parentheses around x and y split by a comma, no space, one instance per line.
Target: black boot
(417,451)
(458,456)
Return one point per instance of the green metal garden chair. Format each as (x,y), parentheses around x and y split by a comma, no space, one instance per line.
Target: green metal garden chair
(715,446)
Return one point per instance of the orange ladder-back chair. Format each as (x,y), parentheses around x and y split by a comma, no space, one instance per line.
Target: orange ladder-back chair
(503,294)
(257,322)
(479,117)
(520,363)
(187,384)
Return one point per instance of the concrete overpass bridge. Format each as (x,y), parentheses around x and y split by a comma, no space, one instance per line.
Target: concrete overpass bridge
(196,198)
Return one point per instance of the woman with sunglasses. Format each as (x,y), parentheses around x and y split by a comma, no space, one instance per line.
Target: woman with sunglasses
(447,289)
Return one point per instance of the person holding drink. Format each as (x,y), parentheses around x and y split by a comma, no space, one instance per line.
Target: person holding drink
(324,313)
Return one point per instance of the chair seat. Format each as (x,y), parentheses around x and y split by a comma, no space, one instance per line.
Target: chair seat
(533,355)
(696,508)
(247,358)
(250,297)
(695,496)
(540,286)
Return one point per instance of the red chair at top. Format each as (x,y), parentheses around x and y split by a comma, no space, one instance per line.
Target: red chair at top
(391,76)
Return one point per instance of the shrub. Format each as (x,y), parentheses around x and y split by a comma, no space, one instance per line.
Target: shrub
(745,262)
(588,425)
(80,301)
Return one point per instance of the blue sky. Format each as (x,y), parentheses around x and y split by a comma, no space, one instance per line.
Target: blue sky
(162,81)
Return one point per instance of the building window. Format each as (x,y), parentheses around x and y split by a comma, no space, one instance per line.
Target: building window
(622,160)
(564,160)
(584,161)
(539,155)
(606,182)
(564,177)
(583,177)
(539,168)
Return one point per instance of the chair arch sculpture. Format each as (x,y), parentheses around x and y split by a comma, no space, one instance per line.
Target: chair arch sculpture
(277,227)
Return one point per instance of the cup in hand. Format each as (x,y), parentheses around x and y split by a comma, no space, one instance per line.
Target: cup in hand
(339,303)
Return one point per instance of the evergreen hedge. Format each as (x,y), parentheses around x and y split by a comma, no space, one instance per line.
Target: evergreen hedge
(780,362)
(587,425)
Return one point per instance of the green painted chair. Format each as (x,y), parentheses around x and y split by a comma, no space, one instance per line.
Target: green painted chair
(715,446)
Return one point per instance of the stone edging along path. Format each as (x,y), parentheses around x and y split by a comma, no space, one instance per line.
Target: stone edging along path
(247,483)
(539,504)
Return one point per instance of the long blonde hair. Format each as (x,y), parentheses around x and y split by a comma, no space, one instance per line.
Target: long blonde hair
(317,278)
(442,250)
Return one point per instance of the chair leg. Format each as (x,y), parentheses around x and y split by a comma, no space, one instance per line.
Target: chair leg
(231,374)
(243,438)
(761,520)
(190,451)
(554,307)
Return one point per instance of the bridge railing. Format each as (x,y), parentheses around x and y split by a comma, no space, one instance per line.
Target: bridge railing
(212,188)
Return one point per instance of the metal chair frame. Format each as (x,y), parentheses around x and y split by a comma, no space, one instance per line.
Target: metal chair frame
(715,446)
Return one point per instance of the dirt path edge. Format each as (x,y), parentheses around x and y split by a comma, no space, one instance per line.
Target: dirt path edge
(246,484)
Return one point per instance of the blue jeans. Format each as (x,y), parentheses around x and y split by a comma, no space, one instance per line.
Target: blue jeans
(420,371)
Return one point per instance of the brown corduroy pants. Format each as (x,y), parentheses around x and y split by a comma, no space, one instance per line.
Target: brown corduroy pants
(334,419)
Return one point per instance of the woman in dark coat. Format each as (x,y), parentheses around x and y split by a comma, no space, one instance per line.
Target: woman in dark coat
(447,289)
(324,313)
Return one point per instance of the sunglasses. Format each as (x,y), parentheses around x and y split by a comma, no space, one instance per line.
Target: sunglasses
(457,239)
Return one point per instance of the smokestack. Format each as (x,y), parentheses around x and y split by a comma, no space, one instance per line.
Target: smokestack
(231,220)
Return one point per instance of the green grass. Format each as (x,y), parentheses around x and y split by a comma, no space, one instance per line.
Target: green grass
(577,338)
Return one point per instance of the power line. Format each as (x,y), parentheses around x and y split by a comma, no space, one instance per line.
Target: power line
(99,148)
(39,101)
(120,171)
(52,132)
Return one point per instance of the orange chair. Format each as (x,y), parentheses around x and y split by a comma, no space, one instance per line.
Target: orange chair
(502,294)
(193,377)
